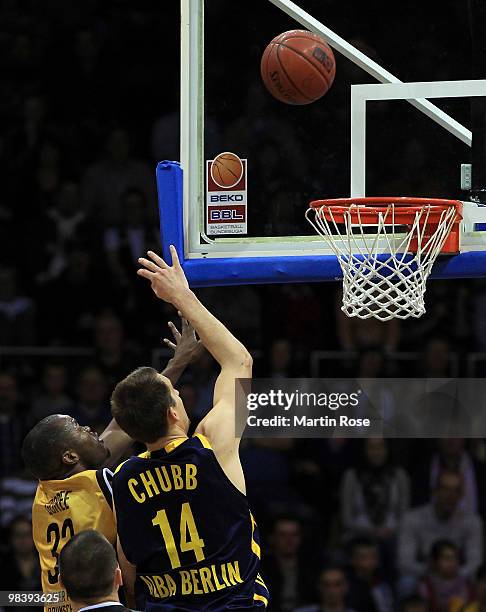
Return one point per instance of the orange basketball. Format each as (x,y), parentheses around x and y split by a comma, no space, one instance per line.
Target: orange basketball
(298,67)
(226,170)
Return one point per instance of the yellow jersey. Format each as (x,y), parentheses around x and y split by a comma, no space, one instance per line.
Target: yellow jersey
(63,508)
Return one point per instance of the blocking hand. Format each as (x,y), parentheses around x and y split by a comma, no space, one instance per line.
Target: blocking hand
(169,283)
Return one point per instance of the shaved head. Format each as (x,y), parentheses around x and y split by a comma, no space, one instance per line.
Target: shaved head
(45,447)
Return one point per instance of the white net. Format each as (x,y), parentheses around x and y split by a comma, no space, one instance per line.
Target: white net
(382,277)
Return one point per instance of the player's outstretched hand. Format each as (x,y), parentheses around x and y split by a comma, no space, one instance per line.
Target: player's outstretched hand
(169,283)
(186,346)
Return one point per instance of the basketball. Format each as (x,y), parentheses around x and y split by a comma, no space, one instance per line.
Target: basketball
(298,67)
(226,170)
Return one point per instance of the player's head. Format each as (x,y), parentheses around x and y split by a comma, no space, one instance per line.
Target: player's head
(147,407)
(89,570)
(59,445)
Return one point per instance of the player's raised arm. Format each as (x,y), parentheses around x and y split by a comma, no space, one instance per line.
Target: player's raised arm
(170,284)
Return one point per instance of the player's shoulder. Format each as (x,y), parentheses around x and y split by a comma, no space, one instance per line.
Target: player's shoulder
(197,442)
(78,486)
(130,463)
(80,481)
(203,441)
(185,445)
(104,480)
(100,478)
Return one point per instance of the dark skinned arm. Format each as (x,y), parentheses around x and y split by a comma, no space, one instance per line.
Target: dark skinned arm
(186,349)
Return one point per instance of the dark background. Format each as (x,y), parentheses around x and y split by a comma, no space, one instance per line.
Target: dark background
(88,105)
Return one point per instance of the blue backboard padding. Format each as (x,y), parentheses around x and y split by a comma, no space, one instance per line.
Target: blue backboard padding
(464,265)
(169,188)
(263,270)
(255,270)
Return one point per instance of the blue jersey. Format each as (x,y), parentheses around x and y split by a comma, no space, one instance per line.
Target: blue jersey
(188,530)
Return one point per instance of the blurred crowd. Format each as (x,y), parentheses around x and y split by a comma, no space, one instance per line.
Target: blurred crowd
(88,105)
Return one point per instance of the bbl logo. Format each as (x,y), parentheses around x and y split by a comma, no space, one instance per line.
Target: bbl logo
(226,194)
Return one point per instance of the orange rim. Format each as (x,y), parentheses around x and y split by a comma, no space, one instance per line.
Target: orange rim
(369,209)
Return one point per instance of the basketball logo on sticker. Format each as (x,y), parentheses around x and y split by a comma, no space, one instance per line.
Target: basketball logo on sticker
(226,170)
